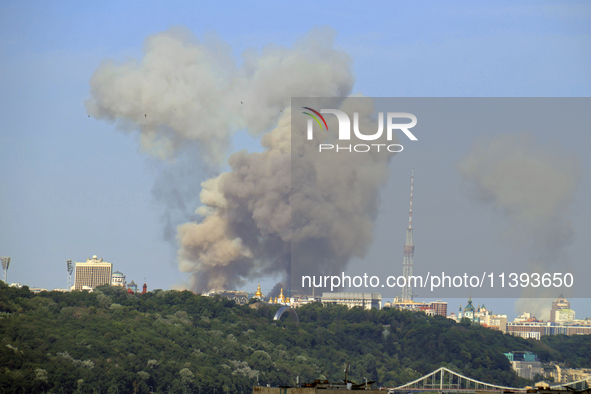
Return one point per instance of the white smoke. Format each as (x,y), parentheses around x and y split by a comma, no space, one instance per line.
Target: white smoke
(534,187)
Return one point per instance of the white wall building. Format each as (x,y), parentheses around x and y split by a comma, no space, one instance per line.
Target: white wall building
(564,316)
(363,300)
(118,279)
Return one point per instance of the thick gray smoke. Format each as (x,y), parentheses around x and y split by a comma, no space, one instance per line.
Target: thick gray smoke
(534,187)
(257,216)
(335,199)
(184,90)
(184,94)
(245,231)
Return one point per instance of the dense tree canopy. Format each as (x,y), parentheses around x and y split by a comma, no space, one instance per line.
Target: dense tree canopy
(109,341)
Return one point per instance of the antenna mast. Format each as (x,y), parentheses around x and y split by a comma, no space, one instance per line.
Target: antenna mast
(409,250)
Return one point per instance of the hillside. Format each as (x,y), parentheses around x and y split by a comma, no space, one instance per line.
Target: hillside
(118,342)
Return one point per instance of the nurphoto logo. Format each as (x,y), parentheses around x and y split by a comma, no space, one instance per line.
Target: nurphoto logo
(344,131)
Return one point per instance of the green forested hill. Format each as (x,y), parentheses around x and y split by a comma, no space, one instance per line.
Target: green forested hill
(110,341)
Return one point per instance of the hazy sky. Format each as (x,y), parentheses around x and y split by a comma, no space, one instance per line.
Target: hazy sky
(72,186)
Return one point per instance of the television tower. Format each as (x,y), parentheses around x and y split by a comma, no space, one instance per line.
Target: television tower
(409,251)
(70,268)
(5,265)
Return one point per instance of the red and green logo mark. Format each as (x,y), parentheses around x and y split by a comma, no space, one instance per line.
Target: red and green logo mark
(316,118)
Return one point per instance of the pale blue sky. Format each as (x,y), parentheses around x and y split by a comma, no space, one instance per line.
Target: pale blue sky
(71,186)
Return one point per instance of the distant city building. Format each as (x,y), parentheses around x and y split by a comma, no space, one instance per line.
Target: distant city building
(118,279)
(132,286)
(429,308)
(529,328)
(300,300)
(495,322)
(363,300)
(490,320)
(557,305)
(469,312)
(439,308)
(94,272)
(562,322)
(578,327)
(536,329)
(525,317)
(401,303)
(481,315)
(564,316)
(565,375)
(408,305)
(525,364)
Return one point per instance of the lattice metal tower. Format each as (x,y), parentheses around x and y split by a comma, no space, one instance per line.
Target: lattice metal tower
(5,265)
(70,268)
(409,250)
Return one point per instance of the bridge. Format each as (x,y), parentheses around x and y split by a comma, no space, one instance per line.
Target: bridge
(445,380)
(576,385)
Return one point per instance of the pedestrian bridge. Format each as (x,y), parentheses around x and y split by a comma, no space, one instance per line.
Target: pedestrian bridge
(445,380)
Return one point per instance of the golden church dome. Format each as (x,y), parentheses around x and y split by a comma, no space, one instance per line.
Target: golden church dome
(281,298)
(259,293)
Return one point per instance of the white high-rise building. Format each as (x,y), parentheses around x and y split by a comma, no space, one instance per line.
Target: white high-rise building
(93,273)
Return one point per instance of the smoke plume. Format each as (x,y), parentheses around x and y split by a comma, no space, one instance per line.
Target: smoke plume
(245,231)
(187,97)
(265,212)
(534,187)
(185,90)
